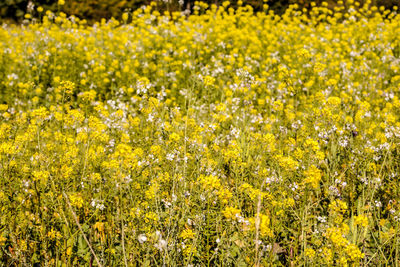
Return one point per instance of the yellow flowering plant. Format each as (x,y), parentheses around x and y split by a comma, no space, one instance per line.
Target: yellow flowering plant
(225,137)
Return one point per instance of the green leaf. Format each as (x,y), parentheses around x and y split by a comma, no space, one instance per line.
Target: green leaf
(82,247)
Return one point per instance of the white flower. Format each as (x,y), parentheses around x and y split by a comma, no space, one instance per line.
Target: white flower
(142,238)
(170,156)
(162,244)
(321,219)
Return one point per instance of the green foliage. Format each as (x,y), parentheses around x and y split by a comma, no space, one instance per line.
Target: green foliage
(94,10)
(12,8)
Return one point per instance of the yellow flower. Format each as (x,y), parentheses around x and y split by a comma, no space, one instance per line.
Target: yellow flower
(3,107)
(354,252)
(361,220)
(209,182)
(187,234)
(88,95)
(174,137)
(53,234)
(310,253)
(40,176)
(76,200)
(313,176)
(261,221)
(231,213)
(125,17)
(2,240)
(209,81)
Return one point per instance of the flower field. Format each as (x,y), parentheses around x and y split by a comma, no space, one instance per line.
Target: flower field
(222,138)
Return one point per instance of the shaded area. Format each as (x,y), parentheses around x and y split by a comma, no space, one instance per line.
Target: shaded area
(94,10)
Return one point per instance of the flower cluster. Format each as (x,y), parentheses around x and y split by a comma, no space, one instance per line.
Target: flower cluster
(224,137)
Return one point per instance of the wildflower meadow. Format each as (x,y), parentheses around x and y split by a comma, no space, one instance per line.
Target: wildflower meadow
(223,137)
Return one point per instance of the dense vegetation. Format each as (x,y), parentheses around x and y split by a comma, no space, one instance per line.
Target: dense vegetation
(228,137)
(94,10)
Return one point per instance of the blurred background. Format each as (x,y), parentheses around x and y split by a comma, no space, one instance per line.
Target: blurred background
(94,10)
